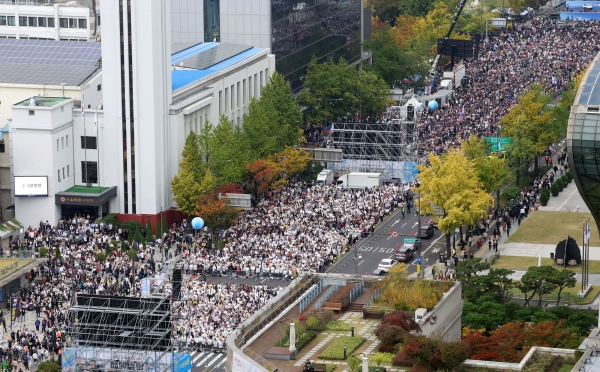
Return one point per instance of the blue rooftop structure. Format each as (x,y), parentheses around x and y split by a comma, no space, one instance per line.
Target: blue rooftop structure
(201,60)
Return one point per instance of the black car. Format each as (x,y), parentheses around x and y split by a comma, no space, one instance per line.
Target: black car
(426,232)
(379,272)
(404,254)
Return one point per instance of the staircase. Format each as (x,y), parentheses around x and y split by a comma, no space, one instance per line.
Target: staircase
(355,307)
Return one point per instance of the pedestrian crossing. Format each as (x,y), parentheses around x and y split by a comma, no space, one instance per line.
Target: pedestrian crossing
(208,361)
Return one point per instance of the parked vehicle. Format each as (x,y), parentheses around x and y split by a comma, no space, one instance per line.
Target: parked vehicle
(426,232)
(360,180)
(404,254)
(379,272)
(325,177)
(387,264)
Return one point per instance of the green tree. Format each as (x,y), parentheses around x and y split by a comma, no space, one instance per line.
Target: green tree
(490,169)
(373,94)
(562,279)
(207,184)
(496,283)
(278,94)
(415,8)
(261,129)
(229,152)
(215,212)
(386,10)
(535,282)
(186,184)
(149,231)
(50,366)
(389,61)
(450,183)
(484,313)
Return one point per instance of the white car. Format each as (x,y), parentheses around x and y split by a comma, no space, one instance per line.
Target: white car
(387,264)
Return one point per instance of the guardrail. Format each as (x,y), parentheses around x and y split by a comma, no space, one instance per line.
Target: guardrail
(328,294)
(358,290)
(311,295)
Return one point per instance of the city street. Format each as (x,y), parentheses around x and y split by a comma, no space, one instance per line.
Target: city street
(382,244)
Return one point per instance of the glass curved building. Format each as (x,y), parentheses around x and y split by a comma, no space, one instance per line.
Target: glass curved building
(583,138)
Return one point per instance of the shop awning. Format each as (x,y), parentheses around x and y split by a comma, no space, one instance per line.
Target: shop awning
(92,196)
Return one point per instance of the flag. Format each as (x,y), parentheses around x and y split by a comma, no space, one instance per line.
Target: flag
(82,106)
(587,232)
(96,122)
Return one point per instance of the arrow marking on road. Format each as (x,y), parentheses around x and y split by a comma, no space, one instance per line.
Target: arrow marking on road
(416,223)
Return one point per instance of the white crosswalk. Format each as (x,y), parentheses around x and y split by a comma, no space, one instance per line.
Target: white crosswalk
(208,361)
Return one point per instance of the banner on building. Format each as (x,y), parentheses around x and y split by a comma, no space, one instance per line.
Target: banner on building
(15,308)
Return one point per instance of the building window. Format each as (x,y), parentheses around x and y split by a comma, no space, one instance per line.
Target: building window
(57,145)
(212,20)
(88,143)
(63,22)
(90,169)
(22,21)
(41,21)
(82,23)
(59,175)
(72,22)
(98,20)
(62,140)
(31,112)
(2,20)
(220,102)
(10,20)
(50,22)
(32,21)
(68,172)
(2,147)
(67,140)
(99,87)
(63,173)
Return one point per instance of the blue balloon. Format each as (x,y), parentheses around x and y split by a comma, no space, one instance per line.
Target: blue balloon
(433,105)
(197,223)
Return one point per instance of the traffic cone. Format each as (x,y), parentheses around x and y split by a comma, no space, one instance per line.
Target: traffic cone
(412,233)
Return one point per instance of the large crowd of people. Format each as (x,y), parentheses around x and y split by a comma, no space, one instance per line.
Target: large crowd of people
(301,228)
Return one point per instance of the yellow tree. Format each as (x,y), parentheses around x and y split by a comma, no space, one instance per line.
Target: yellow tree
(532,119)
(288,163)
(451,184)
(490,169)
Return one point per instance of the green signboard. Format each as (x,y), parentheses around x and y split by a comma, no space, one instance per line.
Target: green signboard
(410,240)
(498,143)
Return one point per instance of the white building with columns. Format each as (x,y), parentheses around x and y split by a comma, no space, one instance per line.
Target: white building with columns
(150,103)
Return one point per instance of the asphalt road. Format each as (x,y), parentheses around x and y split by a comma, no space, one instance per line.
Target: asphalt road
(382,244)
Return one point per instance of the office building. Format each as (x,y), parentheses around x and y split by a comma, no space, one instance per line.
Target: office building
(583,138)
(293,30)
(44,21)
(121,157)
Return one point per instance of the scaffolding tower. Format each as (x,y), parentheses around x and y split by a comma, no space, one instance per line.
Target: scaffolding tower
(121,333)
(379,147)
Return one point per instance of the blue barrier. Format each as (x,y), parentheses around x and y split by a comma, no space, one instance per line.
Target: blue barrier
(579,16)
(310,296)
(358,290)
(328,294)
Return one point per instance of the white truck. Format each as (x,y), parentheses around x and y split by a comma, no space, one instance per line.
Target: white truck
(325,177)
(452,79)
(360,180)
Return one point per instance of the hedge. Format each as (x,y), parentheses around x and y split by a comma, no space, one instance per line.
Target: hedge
(336,325)
(335,351)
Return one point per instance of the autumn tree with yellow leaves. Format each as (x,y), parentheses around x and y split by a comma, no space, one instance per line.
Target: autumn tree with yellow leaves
(450,183)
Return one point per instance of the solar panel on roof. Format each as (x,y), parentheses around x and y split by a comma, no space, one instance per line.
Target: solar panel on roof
(214,55)
(34,51)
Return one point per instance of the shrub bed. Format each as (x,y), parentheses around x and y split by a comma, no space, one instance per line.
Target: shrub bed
(322,317)
(336,325)
(342,296)
(301,341)
(335,351)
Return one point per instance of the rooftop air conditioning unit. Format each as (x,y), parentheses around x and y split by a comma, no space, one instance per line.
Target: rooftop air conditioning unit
(420,314)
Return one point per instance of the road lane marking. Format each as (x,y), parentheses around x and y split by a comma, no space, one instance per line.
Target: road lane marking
(416,223)
(403,225)
(360,262)
(432,243)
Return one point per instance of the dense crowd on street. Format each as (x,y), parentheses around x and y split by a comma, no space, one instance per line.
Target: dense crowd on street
(299,229)
(515,58)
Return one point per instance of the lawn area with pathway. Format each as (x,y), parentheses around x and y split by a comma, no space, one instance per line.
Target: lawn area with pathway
(547,227)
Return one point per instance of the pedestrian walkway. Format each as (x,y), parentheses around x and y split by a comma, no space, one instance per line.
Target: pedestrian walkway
(208,361)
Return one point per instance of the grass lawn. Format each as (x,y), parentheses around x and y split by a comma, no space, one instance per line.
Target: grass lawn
(544,227)
(564,296)
(523,263)
(7,265)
